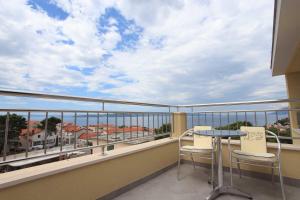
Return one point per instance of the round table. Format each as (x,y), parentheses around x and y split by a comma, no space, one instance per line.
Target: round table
(221,188)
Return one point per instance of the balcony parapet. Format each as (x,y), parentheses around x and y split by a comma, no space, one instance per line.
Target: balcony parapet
(36,173)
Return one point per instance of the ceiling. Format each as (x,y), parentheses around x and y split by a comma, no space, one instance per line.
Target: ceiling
(286,37)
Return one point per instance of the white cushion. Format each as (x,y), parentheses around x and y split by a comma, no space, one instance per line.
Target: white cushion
(263,157)
(195,149)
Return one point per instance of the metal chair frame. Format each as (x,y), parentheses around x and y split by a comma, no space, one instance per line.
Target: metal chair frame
(273,165)
(182,153)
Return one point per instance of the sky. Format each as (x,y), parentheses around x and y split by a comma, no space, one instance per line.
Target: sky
(161,51)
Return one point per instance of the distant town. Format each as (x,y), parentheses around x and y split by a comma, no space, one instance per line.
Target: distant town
(68,133)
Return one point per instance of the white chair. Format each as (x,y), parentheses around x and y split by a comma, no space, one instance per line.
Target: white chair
(202,146)
(254,152)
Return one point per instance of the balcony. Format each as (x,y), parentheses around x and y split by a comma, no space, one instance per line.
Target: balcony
(132,154)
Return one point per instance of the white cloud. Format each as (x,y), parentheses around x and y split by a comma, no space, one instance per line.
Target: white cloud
(213,51)
(203,51)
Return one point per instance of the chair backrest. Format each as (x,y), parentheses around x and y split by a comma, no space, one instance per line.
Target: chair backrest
(202,141)
(254,141)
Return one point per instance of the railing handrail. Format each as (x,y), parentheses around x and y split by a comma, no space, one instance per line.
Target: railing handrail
(76,98)
(239,103)
(99,100)
(242,111)
(78,111)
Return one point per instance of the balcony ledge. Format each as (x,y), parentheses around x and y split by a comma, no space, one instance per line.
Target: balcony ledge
(29,174)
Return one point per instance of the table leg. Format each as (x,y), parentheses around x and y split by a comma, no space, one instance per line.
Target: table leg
(221,189)
(227,190)
(220,163)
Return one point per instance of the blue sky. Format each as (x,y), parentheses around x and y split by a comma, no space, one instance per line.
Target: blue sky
(50,8)
(174,52)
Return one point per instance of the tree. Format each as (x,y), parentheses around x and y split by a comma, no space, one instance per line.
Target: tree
(235,126)
(16,123)
(284,121)
(165,128)
(51,126)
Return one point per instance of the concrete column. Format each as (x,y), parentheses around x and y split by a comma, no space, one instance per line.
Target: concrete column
(293,90)
(179,123)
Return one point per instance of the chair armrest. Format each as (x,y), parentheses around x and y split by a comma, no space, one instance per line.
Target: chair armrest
(277,140)
(184,134)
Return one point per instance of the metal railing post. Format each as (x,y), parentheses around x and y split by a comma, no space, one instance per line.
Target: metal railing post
(46,134)
(137,125)
(153,124)
(148,123)
(143,125)
(97,126)
(75,130)
(61,131)
(106,128)
(116,126)
(236,120)
(130,124)
(27,135)
(123,126)
(192,110)
(87,129)
(228,121)
(6,136)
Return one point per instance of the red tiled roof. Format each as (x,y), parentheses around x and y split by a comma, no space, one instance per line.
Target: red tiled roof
(102,125)
(112,131)
(71,128)
(32,131)
(88,135)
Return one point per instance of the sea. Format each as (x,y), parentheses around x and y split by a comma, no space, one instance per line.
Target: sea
(156,120)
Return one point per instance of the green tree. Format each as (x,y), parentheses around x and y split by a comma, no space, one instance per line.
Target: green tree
(16,123)
(165,128)
(52,122)
(284,121)
(235,126)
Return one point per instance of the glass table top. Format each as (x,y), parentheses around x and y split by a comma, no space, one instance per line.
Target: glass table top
(221,133)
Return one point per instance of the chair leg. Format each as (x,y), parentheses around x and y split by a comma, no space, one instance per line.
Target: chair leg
(212,169)
(230,165)
(193,160)
(178,166)
(272,173)
(239,167)
(281,181)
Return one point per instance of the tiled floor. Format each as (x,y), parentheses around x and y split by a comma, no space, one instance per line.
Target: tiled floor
(193,186)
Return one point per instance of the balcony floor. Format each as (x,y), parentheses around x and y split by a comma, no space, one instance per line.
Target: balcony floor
(193,185)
